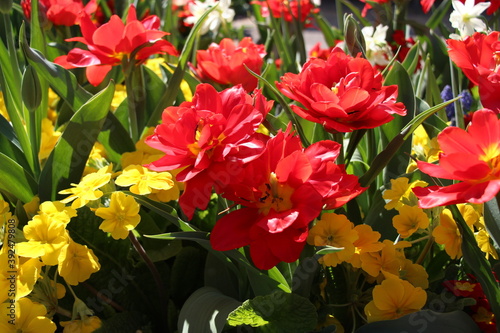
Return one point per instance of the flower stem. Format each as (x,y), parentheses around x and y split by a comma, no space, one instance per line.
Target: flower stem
(156,276)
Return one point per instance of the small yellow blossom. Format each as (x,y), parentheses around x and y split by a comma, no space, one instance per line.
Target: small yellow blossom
(368,241)
(119,96)
(401,193)
(46,237)
(170,194)
(87,189)
(423,148)
(56,210)
(394,298)
(409,220)
(25,316)
(386,260)
(337,231)
(415,274)
(48,139)
(20,284)
(483,241)
(484,316)
(77,263)
(121,216)
(86,325)
(447,234)
(98,152)
(143,181)
(31,208)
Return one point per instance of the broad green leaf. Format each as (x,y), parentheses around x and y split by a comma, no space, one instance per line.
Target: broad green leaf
(115,138)
(15,180)
(425,321)
(67,161)
(10,145)
(412,59)
(277,312)
(438,15)
(326,28)
(205,310)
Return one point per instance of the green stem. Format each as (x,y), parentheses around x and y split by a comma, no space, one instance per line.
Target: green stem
(459,115)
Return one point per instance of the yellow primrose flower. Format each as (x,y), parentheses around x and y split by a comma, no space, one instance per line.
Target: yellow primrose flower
(337,231)
(119,96)
(98,152)
(415,274)
(143,181)
(170,194)
(19,284)
(409,220)
(483,241)
(121,216)
(401,193)
(386,260)
(25,316)
(31,208)
(46,237)
(143,154)
(56,210)
(447,234)
(87,189)
(48,139)
(77,263)
(424,148)
(368,241)
(394,298)
(86,325)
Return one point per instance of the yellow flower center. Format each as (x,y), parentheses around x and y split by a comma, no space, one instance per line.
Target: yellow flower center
(195,147)
(275,196)
(492,157)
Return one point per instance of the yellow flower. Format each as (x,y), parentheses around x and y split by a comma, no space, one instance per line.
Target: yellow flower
(337,231)
(386,260)
(401,193)
(46,237)
(368,241)
(86,325)
(447,234)
(143,181)
(170,194)
(394,298)
(87,189)
(56,210)
(98,152)
(119,96)
(20,284)
(48,139)
(25,316)
(77,263)
(424,148)
(31,208)
(415,274)
(409,220)
(483,241)
(121,216)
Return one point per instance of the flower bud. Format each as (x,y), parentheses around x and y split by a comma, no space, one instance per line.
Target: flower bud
(5,6)
(31,89)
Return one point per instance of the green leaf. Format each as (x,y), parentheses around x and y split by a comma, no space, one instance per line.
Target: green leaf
(67,161)
(425,321)
(115,138)
(412,59)
(283,312)
(15,180)
(492,218)
(245,315)
(205,310)
(438,15)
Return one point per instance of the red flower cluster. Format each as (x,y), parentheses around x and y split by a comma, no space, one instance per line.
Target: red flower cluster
(211,138)
(471,156)
(342,93)
(111,42)
(478,56)
(224,63)
(288,10)
(61,12)
(480,312)
(282,192)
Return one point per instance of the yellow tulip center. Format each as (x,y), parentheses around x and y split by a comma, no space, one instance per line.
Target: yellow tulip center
(275,196)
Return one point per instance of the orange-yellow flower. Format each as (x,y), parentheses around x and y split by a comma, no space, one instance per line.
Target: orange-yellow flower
(447,234)
(368,241)
(394,298)
(337,231)
(86,325)
(387,260)
(414,273)
(121,216)
(409,220)
(401,193)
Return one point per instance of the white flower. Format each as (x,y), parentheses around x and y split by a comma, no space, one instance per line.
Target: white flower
(222,14)
(465,17)
(378,52)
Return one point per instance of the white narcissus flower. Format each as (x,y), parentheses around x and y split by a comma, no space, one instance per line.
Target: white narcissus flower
(465,17)
(221,15)
(378,52)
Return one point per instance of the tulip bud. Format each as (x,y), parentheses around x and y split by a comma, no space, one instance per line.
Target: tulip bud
(5,6)
(31,89)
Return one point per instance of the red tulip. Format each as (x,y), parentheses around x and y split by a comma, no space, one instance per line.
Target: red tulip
(224,63)
(108,44)
(342,93)
(62,12)
(471,157)
(211,137)
(478,56)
